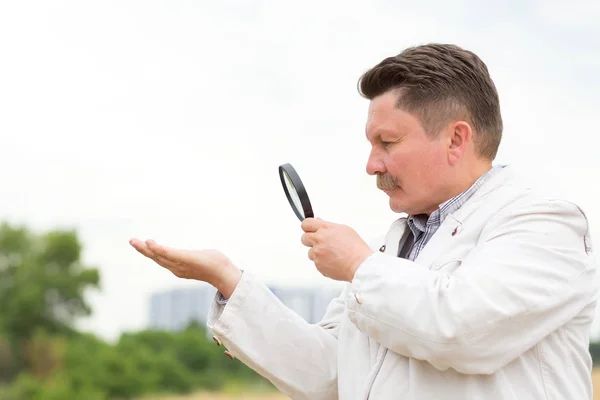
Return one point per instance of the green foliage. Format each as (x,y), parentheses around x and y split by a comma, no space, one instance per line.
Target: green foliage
(6,360)
(42,286)
(58,387)
(140,363)
(42,281)
(595,352)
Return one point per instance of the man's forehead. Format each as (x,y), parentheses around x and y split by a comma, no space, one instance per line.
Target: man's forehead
(390,124)
(376,127)
(383,114)
(383,103)
(380,109)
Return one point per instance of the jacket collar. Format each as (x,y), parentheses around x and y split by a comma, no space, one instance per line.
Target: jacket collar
(452,225)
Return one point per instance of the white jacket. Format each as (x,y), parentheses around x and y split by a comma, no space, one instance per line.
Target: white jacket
(498,305)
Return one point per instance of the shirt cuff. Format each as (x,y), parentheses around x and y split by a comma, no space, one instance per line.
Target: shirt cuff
(221,300)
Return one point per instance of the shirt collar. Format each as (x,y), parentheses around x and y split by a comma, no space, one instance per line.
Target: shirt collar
(421,221)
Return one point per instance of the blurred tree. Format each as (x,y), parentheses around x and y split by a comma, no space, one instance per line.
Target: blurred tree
(6,360)
(57,387)
(44,354)
(42,284)
(595,352)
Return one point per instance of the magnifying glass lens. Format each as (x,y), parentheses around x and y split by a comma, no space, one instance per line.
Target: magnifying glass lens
(293,194)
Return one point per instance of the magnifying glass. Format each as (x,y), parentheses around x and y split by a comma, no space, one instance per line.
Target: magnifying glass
(295,192)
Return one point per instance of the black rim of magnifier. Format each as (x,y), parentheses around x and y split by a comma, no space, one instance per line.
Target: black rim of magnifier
(300,190)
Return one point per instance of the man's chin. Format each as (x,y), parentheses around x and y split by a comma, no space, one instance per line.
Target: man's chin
(396,204)
(397,208)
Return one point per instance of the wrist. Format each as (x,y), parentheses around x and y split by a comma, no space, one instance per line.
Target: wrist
(228,281)
(360,260)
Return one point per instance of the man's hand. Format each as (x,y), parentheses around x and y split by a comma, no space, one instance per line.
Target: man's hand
(209,266)
(337,250)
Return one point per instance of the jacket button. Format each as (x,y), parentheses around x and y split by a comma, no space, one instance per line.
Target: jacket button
(217,341)
(382,248)
(228,354)
(357,298)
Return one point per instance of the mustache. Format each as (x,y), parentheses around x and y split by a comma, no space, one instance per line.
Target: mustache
(386,182)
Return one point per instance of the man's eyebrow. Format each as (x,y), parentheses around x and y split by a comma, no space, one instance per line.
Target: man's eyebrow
(380,133)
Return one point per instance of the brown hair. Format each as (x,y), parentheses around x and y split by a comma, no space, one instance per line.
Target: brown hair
(440,82)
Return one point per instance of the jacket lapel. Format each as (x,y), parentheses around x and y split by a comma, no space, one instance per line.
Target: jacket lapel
(449,232)
(395,237)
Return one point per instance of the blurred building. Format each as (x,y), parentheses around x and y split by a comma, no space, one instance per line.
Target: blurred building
(174,309)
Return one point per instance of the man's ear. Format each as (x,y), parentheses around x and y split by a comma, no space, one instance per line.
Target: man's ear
(460,136)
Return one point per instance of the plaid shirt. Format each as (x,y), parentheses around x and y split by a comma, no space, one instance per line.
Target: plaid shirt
(423,227)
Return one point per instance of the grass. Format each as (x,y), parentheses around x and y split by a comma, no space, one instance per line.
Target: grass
(596,382)
(233,390)
(276,396)
(218,396)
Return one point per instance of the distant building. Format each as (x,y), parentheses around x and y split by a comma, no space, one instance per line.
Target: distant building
(175,309)
(309,303)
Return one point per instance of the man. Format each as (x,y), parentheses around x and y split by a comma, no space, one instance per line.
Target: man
(485,290)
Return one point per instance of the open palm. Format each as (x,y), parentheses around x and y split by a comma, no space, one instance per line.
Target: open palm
(209,266)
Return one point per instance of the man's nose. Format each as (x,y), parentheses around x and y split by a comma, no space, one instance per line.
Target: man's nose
(375,165)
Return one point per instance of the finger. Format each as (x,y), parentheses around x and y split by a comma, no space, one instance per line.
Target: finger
(177,256)
(311,224)
(162,255)
(175,260)
(311,254)
(144,249)
(309,239)
(141,247)
(171,266)
(158,249)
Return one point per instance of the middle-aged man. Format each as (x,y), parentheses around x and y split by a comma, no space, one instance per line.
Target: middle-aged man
(486,289)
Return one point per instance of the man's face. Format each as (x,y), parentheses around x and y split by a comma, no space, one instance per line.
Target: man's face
(410,166)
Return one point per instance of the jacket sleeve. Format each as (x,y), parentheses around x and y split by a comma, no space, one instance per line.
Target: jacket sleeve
(531,272)
(299,358)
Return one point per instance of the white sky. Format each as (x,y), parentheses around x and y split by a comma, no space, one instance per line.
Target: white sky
(168,120)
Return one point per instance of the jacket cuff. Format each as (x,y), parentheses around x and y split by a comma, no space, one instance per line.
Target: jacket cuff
(373,269)
(354,299)
(222,314)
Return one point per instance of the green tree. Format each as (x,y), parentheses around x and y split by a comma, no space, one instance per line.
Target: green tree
(42,284)
(43,357)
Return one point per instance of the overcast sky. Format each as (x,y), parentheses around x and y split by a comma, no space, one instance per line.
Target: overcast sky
(168,120)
